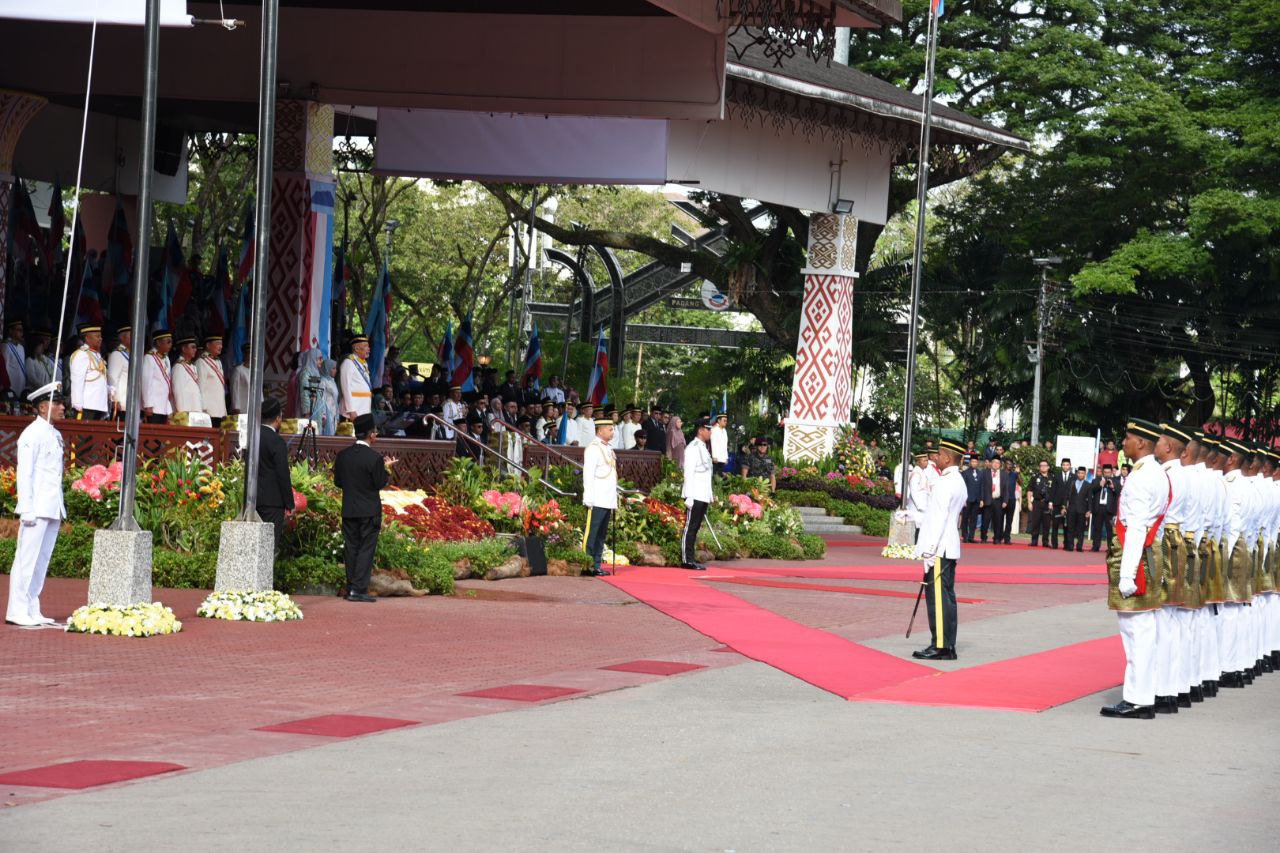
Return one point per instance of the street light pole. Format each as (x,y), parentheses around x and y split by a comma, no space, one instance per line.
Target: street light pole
(1037,357)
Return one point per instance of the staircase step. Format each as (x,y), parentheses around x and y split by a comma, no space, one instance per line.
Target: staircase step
(835,526)
(815,511)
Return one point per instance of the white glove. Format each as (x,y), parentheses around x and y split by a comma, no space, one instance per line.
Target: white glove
(688,503)
(926,557)
(901,515)
(1127,587)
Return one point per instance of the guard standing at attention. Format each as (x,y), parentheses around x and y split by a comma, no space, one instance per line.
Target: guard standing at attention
(599,492)
(118,369)
(938,546)
(696,492)
(1134,587)
(90,388)
(40,509)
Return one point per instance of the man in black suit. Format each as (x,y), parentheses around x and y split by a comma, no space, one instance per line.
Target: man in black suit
(1041,490)
(275,490)
(1103,504)
(653,426)
(1058,501)
(1079,501)
(969,515)
(995,498)
(361,473)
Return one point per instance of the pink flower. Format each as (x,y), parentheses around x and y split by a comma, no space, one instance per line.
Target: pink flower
(94,492)
(116,471)
(299,501)
(96,475)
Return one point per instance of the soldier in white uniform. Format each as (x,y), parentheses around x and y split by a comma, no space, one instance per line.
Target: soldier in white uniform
(213,384)
(453,409)
(357,388)
(630,424)
(90,388)
(585,425)
(720,443)
(919,485)
(186,379)
(569,426)
(938,547)
(240,383)
(15,358)
(599,493)
(157,380)
(1134,587)
(696,492)
(118,368)
(1172,629)
(40,509)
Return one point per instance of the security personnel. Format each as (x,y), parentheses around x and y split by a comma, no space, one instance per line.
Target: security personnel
(599,492)
(213,384)
(1170,557)
(357,387)
(118,368)
(454,409)
(90,385)
(40,508)
(696,492)
(186,379)
(938,546)
(1134,587)
(760,464)
(157,380)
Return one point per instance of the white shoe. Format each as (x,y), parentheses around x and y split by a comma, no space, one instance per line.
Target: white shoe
(44,620)
(22,623)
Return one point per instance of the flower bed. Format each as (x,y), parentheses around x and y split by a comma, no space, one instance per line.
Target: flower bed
(246,605)
(433,519)
(140,620)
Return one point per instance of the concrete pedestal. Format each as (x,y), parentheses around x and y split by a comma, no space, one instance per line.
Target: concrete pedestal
(246,556)
(120,574)
(902,532)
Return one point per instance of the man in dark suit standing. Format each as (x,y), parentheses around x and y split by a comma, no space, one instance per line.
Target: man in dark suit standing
(654,428)
(1058,501)
(1041,490)
(275,490)
(995,498)
(361,473)
(1079,501)
(1103,504)
(969,516)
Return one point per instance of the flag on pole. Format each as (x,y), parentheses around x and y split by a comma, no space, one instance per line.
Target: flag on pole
(171,267)
(24,229)
(533,363)
(464,357)
(378,327)
(240,328)
(341,275)
(444,355)
(938,7)
(89,303)
(218,299)
(597,391)
(563,429)
(57,226)
(118,266)
(245,266)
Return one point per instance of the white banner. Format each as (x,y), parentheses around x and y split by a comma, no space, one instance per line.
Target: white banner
(173,13)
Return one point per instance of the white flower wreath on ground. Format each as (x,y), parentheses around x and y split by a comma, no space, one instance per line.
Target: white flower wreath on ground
(901,551)
(250,605)
(139,620)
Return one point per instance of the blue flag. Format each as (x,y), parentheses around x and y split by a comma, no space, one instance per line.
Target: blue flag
(377,327)
(533,362)
(240,330)
(464,356)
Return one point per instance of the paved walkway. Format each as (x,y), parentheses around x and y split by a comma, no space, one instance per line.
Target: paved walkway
(733,756)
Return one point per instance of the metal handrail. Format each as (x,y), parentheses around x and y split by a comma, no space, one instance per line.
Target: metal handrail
(471,438)
(570,460)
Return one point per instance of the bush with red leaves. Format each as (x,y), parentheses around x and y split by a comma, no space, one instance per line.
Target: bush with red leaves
(437,520)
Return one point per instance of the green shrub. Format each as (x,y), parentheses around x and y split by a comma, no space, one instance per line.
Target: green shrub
(183,571)
(874,522)
(791,498)
(814,547)
(573,556)
(730,547)
(398,549)
(8,547)
(766,546)
(308,572)
(73,553)
(1028,460)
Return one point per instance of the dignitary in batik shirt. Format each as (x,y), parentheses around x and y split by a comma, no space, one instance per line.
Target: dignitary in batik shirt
(157,380)
(357,387)
(213,383)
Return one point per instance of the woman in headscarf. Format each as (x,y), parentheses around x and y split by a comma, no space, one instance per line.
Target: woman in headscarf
(307,382)
(327,402)
(675,440)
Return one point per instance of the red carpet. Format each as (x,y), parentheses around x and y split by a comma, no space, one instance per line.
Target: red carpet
(338,725)
(822,659)
(1029,683)
(87,774)
(851,590)
(655,667)
(523,692)
(912,573)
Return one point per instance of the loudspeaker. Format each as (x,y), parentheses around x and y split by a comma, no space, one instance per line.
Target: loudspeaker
(170,142)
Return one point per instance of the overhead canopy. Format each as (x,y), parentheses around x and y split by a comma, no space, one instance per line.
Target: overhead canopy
(173,13)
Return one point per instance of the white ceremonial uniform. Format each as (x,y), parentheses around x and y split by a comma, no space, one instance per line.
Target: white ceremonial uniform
(599,476)
(15,364)
(617,442)
(157,384)
(213,386)
(41,510)
(1142,501)
(940,521)
(240,388)
(186,388)
(451,411)
(357,390)
(1204,639)
(89,384)
(628,431)
(1231,614)
(555,395)
(921,485)
(1171,621)
(585,428)
(719,445)
(39,371)
(118,375)
(697,473)
(569,431)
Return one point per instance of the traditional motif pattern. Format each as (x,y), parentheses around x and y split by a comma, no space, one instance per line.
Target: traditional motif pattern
(822,387)
(289,149)
(100,442)
(16,111)
(319,142)
(290,203)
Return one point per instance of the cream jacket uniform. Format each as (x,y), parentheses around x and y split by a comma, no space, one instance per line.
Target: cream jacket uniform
(697,473)
(719,444)
(599,476)
(186,388)
(41,509)
(628,432)
(240,389)
(89,383)
(118,375)
(1143,500)
(449,413)
(357,391)
(585,429)
(157,384)
(939,528)
(213,386)
(15,364)
(39,371)
(569,431)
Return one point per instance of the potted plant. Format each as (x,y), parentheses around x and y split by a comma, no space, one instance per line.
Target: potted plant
(540,522)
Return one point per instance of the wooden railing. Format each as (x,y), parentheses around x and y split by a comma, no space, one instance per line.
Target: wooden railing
(642,467)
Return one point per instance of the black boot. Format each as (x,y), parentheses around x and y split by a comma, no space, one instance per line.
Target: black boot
(1231,679)
(1197,693)
(1184,700)
(1129,711)
(1166,705)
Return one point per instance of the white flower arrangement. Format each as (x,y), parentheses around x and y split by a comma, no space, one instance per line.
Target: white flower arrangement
(138,620)
(250,605)
(900,551)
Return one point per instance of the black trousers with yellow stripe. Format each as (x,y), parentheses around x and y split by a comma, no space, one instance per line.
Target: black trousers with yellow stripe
(940,595)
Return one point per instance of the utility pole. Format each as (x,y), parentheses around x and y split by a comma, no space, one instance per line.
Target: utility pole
(1037,355)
